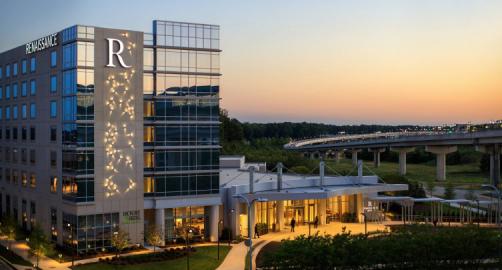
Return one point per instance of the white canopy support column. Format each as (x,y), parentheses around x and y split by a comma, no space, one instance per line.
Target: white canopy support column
(160,222)
(214,219)
(279,215)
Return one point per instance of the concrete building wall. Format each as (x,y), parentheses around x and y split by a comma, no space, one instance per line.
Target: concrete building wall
(113,85)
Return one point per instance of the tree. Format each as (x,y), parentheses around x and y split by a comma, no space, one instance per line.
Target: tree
(154,236)
(38,243)
(449,191)
(120,240)
(9,229)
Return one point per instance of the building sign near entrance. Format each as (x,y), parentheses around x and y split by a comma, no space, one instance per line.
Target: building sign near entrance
(131,217)
(42,44)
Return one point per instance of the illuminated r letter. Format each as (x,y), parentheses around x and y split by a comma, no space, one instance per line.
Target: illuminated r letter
(111,53)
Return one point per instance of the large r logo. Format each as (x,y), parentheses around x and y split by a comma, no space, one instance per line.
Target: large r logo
(111,53)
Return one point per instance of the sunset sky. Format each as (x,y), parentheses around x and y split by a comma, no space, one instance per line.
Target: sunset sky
(340,62)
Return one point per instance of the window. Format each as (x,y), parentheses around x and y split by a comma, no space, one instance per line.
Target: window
(54,58)
(33,156)
(24,133)
(14,133)
(53,158)
(24,179)
(53,134)
(24,111)
(33,110)
(147,84)
(7,92)
(32,133)
(1,73)
(54,83)
(148,109)
(7,71)
(148,184)
(148,59)
(24,66)
(148,160)
(7,133)
(14,69)
(7,113)
(33,180)
(54,109)
(24,89)
(54,184)
(148,135)
(1,92)
(33,64)
(14,90)
(33,87)
(14,112)
(1,113)
(85,54)
(15,154)
(24,155)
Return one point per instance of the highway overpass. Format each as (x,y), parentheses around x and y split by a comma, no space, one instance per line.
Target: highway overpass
(439,143)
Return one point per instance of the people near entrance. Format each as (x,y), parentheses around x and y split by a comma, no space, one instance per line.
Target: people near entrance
(316,222)
(256,232)
(292,224)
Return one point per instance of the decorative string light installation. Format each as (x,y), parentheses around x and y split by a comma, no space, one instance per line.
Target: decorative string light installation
(118,140)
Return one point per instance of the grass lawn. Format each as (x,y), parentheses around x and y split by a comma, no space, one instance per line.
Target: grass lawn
(388,171)
(203,259)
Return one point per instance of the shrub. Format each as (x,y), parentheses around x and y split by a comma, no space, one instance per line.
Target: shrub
(406,247)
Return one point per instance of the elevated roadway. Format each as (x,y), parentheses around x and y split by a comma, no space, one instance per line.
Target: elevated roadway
(439,143)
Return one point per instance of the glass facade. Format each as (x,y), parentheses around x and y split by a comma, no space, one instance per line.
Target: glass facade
(90,232)
(78,109)
(181,110)
(180,220)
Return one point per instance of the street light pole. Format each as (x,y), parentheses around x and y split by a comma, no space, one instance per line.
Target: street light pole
(230,229)
(187,247)
(219,222)
(249,205)
(71,245)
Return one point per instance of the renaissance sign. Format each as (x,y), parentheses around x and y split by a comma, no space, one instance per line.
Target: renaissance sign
(42,44)
(112,52)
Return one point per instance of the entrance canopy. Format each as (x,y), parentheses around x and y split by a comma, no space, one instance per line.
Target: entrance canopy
(305,193)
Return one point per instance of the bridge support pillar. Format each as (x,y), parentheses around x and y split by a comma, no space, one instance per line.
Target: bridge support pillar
(494,150)
(376,155)
(354,156)
(441,152)
(402,157)
(337,155)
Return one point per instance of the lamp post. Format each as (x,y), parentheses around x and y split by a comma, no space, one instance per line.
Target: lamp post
(219,222)
(230,229)
(365,222)
(497,217)
(189,230)
(249,205)
(71,245)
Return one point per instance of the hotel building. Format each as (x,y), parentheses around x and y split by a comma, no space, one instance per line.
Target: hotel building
(106,128)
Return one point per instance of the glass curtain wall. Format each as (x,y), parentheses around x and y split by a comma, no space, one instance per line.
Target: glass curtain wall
(78,114)
(181,112)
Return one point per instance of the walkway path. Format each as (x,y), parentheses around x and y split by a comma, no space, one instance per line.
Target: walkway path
(235,259)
